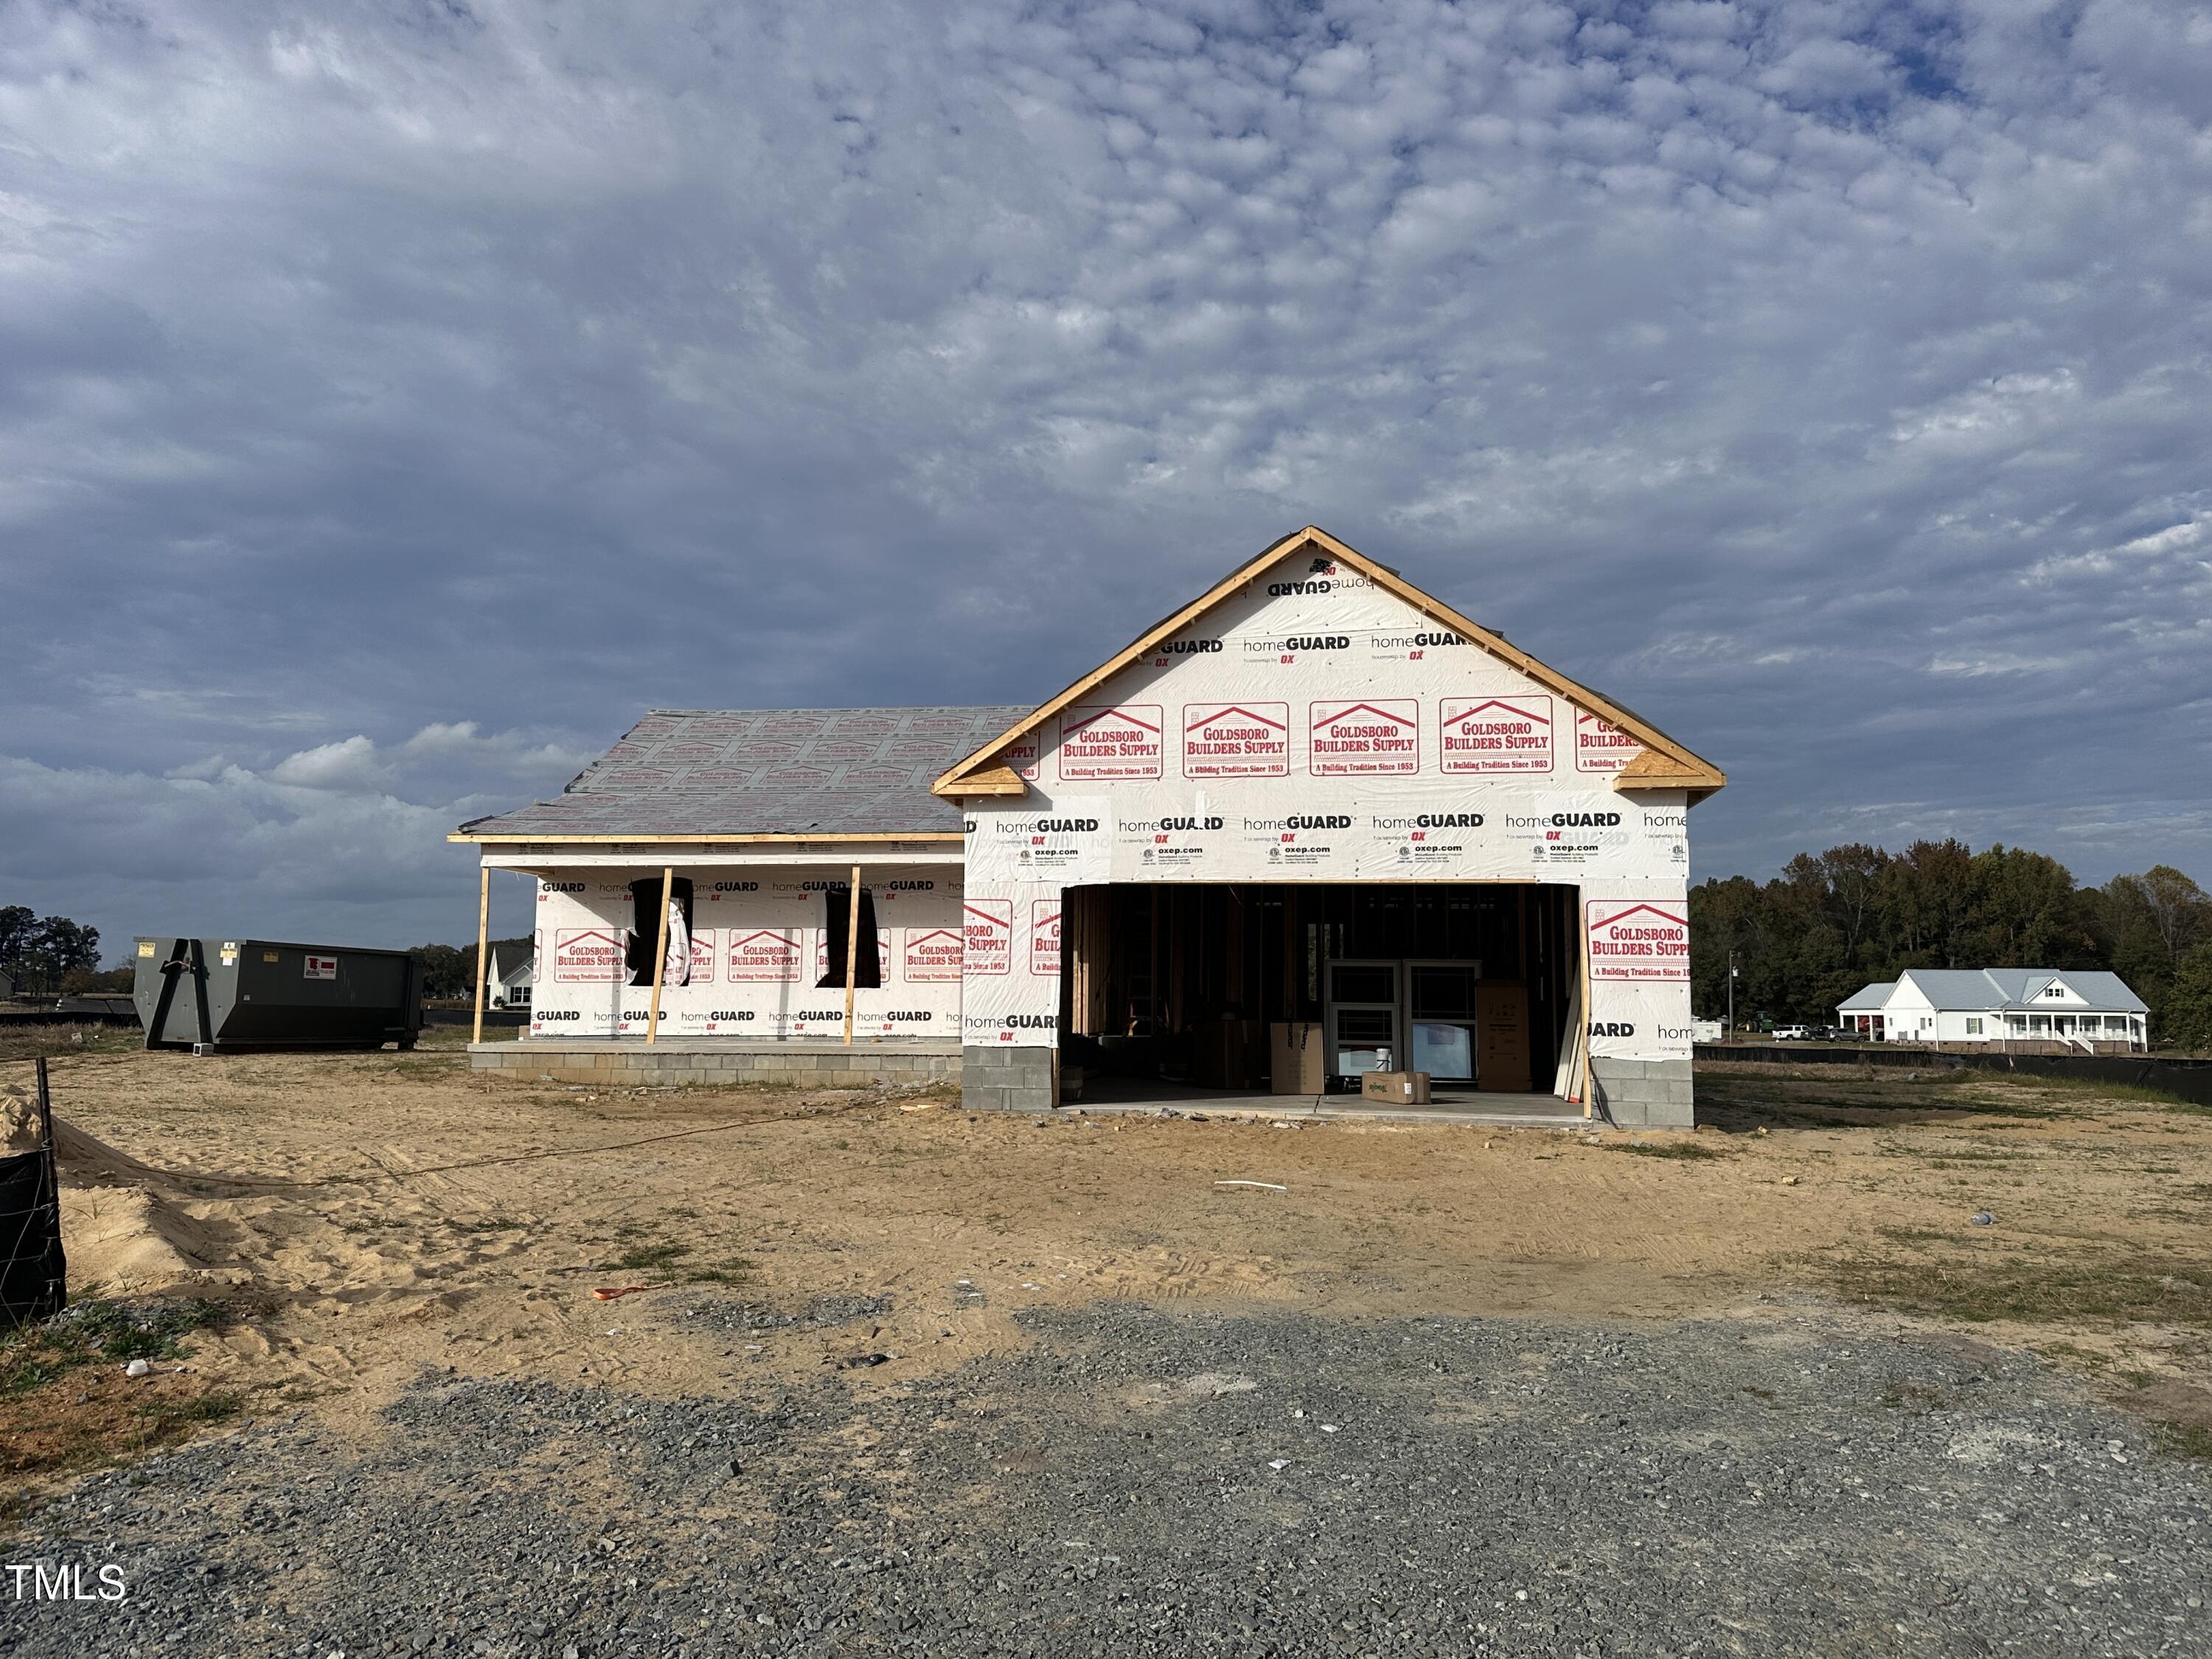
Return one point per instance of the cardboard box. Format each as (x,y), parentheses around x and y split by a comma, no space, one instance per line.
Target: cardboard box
(1501,1023)
(1396,1088)
(1295,1058)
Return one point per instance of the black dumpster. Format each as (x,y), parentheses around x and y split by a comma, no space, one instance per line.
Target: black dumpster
(207,994)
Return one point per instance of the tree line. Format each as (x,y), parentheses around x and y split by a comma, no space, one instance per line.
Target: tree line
(1834,921)
(45,955)
(450,971)
(53,956)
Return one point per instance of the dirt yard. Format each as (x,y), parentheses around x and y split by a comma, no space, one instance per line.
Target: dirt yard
(899,1377)
(358,1217)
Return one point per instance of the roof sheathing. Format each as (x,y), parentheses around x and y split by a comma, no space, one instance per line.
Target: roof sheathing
(1664,764)
(746,773)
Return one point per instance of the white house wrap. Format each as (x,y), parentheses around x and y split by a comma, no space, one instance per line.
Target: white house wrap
(1328,753)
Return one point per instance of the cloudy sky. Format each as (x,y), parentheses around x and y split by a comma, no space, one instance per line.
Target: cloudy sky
(397,397)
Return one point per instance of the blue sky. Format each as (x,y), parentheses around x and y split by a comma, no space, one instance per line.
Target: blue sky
(396,398)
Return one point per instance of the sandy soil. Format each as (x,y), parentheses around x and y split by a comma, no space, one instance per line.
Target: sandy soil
(368,1215)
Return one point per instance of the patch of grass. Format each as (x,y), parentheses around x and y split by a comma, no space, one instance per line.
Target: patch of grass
(736,1270)
(2184,1439)
(2092,1088)
(59,1041)
(104,1415)
(89,1332)
(644,1258)
(456,1036)
(1681,1152)
(165,1419)
(489,1224)
(1952,1281)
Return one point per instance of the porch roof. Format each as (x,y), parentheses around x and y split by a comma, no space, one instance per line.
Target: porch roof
(705,772)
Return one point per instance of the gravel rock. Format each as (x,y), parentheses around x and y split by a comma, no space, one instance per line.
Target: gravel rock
(1784,1486)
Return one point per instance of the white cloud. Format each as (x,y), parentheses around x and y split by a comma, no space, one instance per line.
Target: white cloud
(1780,368)
(347,829)
(348,767)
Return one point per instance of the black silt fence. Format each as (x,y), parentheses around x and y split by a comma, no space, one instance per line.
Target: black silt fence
(34,1273)
(2186,1080)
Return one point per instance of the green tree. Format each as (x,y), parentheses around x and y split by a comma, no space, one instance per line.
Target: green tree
(17,921)
(449,971)
(2025,912)
(444,972)
(2186,1019)
(1724,916)
(82,982)
(2174,911)
(1853,875)
(1925,893)
(39,951)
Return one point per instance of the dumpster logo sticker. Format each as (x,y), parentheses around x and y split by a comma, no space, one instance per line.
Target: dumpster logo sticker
(1360,739)
(1497,734)
(932,954)
(766,953)
(145,947)
(1229,740)
(882,959)
(987,937)
(1110,743)
(1600,745)
(588,956)
(1044,938)
(319,968)
(1639,943)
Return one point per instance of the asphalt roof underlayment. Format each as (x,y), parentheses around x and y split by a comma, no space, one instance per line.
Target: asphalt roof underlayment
(767,772)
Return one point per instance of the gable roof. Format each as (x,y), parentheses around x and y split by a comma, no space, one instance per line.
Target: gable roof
(1663,763)
(706,775)
(2019,988)
(1868,1000)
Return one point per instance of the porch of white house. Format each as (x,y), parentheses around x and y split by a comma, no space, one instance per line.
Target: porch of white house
(844,1054)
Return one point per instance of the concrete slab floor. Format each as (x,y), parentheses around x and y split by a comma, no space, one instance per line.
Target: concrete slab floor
(1108,1095)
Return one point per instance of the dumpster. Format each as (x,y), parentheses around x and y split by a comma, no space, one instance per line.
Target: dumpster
(209,995)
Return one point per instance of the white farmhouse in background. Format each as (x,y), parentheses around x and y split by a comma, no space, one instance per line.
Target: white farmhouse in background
(511,988)
(2089,1010)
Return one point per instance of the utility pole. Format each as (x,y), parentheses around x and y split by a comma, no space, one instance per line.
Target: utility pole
(1731,1011)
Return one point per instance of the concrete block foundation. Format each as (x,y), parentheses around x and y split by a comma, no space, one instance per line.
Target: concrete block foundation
(797,1063)
(1646,1094)
(1006,1079)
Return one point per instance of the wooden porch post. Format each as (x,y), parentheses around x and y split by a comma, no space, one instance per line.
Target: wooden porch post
(483,927)
(660,954)
(852,951)
(1582,927)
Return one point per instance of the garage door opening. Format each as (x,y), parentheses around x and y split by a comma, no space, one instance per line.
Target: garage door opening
(1192,992)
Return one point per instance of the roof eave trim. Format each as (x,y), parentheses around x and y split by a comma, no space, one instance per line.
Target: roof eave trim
(725,839)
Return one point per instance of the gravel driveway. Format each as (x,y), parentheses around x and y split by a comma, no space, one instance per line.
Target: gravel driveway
(1142,1481)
